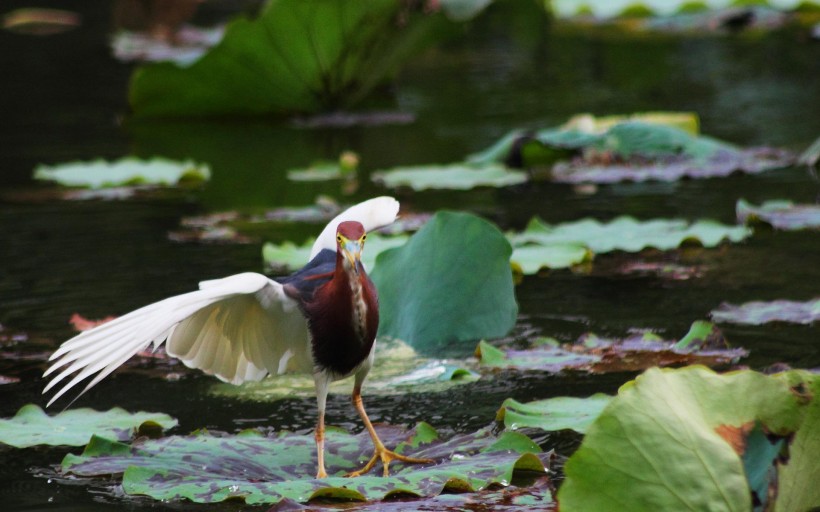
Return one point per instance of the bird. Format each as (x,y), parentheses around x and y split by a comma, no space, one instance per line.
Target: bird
(321,320)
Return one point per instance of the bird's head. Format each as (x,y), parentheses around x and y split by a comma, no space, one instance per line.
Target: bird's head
(350,237)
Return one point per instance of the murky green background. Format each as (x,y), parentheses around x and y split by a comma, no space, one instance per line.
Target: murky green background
(63,98)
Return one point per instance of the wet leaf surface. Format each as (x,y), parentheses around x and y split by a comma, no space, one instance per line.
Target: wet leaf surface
(662,443)
(31,426)
(703,344)
(206,468)
(442,257)
(558,413)
(454,177)
(128,171)
(761,312)
(780,214)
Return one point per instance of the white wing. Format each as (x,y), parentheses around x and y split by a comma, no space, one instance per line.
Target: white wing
(373,214)
(239,328)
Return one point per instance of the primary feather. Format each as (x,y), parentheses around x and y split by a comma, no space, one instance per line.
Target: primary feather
(239,328)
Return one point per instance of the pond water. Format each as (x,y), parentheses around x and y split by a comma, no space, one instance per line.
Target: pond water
(64,99)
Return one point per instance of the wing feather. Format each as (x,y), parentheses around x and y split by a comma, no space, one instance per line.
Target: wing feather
(228,328)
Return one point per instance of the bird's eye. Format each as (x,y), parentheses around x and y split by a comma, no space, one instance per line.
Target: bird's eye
(339,238)
(364,237)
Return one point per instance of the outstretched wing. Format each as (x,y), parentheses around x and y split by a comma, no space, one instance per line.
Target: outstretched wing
(373,214)
(238,328)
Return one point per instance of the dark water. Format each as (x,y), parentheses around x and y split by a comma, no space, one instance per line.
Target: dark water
(63,98)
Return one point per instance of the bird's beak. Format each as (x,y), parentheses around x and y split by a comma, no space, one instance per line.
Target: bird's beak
(352,250)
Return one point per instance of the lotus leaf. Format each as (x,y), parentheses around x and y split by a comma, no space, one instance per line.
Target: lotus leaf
(126,171)
(296,56)
(674,440)
(558,413)
(627,150)
(456,177)
(798,477)
(703,344)
(761,312)
(627,234)
(450,283)
(780,214)
(31,426)
(289,256)
(530,258)
(398,369)
(205,468)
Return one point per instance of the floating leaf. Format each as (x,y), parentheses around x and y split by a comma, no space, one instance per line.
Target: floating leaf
(126,171)
(205,468)
(704,344)
(761,312)
(31,426)
(296,56)
(288,256)
(558,413)
(628,150)
(455,177)
(780,214)
(623,233)
(673,439)
(450,283)
(530,258)
(398,369)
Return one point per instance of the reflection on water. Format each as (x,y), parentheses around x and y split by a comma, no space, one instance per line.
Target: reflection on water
(64,99)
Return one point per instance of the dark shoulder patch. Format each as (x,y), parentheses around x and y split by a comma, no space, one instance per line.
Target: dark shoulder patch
(306,281)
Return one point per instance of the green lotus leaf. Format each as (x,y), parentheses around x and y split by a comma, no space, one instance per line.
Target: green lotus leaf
(31,426)
(450,283)
(128,171)
(398,369)
(627,234)
(530,258)
(454,177)
(257,469)
(296,56)
(703,344)
(780,214)
(674,439)
(798,477)
(558,413)
(288,256)
(609,150)
(761,312)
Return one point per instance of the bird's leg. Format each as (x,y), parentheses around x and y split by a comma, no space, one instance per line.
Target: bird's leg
(380,452)
(320,446)
(322,383)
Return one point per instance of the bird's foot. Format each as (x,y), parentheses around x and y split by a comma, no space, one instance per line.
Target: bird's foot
(321,473)
(386,456)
